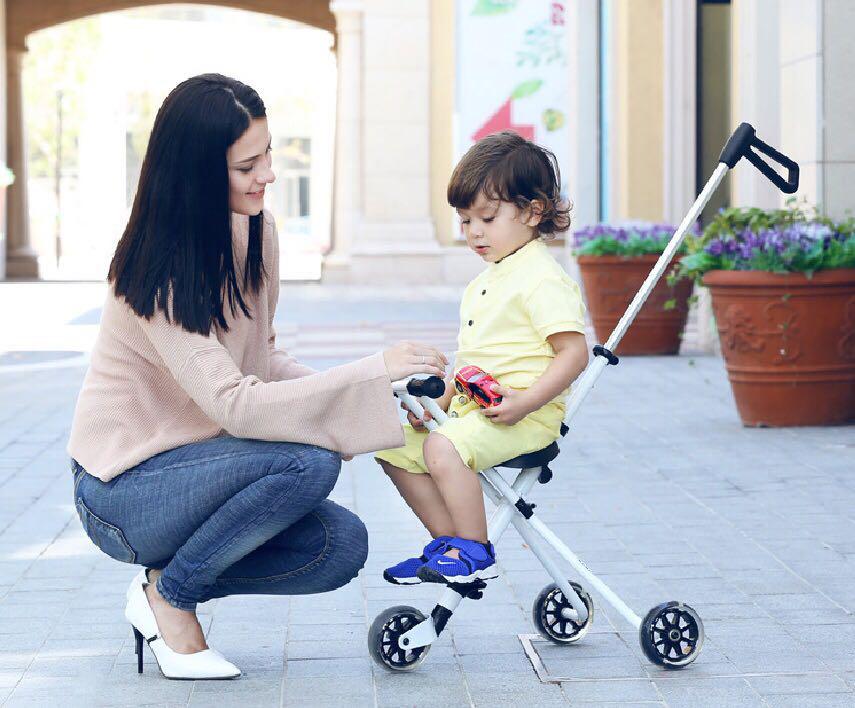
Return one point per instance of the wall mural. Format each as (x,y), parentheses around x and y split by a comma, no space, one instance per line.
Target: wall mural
(512,72)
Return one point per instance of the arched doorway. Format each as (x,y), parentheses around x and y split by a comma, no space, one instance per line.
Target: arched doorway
(124,90)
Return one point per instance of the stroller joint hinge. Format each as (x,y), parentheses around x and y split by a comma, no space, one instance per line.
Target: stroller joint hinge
(526,509)
(600,350)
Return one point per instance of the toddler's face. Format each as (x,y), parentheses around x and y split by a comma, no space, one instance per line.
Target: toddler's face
(495,229)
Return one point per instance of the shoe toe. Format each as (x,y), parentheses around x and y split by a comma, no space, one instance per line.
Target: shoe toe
(222,665)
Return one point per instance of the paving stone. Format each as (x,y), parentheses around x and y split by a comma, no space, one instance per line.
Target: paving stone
(762,548)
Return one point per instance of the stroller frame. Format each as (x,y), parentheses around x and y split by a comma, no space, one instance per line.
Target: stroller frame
(671,634)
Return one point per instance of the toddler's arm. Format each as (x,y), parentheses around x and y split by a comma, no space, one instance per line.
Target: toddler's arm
(571,358)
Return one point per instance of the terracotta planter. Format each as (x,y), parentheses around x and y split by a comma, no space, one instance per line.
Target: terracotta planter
(788,344)
(610,284)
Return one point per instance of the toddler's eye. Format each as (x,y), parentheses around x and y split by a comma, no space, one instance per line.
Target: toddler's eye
(488,219)
(245,170)
(464,221)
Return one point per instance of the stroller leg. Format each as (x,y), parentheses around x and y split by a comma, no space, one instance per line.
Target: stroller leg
(426,632)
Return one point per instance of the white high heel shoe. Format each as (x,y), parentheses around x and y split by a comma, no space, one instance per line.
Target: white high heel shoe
(206,664)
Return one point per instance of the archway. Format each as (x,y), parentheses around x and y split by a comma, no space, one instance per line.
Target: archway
(25,18)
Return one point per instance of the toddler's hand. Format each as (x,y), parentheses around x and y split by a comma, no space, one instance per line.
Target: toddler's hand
(512,409)
(417,423)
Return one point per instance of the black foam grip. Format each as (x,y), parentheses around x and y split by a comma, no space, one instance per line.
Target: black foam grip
(432,387)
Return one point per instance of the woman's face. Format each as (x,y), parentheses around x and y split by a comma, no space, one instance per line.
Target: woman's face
(249,159)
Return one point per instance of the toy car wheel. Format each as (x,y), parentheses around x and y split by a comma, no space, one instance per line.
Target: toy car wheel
(383,636)
(550,614)
(672,635)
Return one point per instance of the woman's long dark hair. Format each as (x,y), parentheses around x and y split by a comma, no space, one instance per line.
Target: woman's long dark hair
(178,239)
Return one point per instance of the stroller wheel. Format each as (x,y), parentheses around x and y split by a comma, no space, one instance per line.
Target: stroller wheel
(672,635)
(383,637)
(549,613)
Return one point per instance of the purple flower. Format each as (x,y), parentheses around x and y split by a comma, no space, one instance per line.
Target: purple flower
(715,247)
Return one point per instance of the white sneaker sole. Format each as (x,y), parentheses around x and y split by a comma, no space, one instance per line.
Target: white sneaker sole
(432,576)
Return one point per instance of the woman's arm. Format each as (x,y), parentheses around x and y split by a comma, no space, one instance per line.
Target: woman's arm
(349,408)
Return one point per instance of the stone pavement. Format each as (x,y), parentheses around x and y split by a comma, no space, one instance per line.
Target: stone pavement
(658,488)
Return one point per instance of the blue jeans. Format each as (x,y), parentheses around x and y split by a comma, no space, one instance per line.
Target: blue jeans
(227,516)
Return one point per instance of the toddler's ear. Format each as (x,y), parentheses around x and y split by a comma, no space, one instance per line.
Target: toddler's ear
(534,214)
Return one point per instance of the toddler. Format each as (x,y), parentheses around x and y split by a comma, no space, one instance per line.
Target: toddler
(521,320)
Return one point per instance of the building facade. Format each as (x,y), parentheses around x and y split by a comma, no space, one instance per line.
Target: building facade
(652,89)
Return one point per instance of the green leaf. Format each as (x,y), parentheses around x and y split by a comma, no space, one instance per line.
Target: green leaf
(526,88)
(493,7)
(670,304)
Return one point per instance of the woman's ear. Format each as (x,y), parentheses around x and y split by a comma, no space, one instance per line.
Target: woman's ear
(534,213)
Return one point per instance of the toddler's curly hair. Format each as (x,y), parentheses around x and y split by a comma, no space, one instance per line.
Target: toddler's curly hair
(509,168)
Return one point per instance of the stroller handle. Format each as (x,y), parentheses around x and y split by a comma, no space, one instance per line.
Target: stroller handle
(431,386)
(743,139)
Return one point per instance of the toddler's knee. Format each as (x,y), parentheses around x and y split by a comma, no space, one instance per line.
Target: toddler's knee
(438,452)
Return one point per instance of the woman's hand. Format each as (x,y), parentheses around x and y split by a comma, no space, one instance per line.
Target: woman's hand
(408,358)
(513,408)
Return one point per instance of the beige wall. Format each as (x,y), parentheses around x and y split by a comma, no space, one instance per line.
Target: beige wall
(638,110)
(442,88)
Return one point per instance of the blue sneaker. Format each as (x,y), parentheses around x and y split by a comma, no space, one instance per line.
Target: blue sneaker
(477,561)
(404,573)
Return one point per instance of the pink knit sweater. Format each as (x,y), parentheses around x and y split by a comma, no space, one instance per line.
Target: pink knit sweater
(152,386)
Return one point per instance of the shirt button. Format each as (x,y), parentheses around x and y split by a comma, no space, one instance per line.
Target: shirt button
(463,399)
(471,322)
(483,292)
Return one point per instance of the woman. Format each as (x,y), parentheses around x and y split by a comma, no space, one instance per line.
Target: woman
(198,449)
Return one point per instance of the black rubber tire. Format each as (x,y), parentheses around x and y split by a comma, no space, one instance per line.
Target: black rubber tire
(560,630)
(383,635)
(679,649)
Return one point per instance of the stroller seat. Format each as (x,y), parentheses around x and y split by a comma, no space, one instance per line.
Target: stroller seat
(540,458)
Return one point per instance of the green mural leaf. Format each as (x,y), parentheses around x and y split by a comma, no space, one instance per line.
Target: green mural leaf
(493,7)
(527,88)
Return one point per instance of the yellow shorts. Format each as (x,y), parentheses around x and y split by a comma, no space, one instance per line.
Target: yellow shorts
(480,442)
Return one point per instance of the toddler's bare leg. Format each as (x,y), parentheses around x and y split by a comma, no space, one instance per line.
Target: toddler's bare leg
(421,494)
(459,487)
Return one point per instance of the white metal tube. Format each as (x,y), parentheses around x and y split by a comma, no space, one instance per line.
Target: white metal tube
(592,373)
(580,612)
(604,590)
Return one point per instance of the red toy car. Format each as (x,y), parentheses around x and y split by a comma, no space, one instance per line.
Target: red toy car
(478,385)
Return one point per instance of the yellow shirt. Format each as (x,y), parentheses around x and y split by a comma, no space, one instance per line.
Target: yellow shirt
(509,310)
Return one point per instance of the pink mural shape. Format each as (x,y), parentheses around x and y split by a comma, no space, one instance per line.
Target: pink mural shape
(501,120)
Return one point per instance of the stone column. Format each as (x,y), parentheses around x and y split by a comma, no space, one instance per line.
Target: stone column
(396,235)
(756,93)
(680,95)
(838,103)
(347,189)
(21,259)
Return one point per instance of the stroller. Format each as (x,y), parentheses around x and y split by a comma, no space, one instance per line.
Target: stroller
(671,634)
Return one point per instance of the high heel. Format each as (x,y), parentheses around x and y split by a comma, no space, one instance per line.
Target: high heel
(206,664)
(138,637)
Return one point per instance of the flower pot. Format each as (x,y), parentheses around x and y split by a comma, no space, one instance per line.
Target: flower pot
(788,342)
(610,284)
